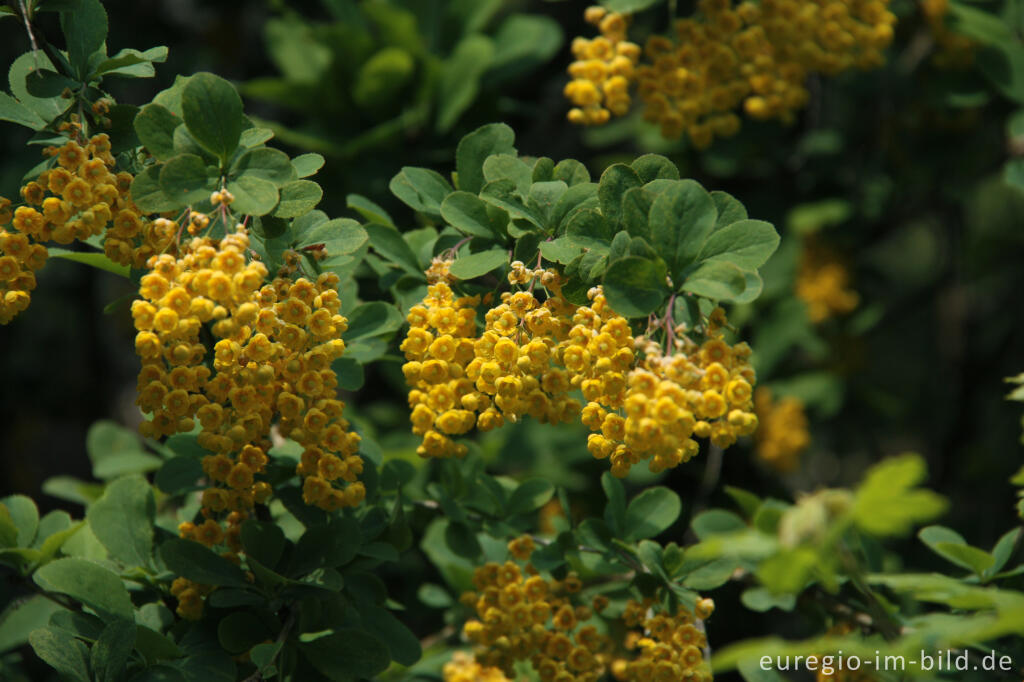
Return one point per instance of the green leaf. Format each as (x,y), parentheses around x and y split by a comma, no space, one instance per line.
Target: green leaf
(184,179)
(212,110)
(123,520)
(14,111)
(148,195)
(459,83)
(509,167)
(760,599)
(45,83)
(22,617)
(681,218)
(421,189)
(297,198)
(462,540)
(401,642)
(46,108)
(562,250)
(388,242)
(345,654)
(129,62)
(746,244)
(253,196)
(307,164)
(265,163)
(542,200)
(730,210)
(192,560)
(710,575)
(571,172)
(240,631)
(92,259)
(472,216)
(522,42)
(375,318)
(747,501)
(654,167)
(615,181)
(473,150)
(717,280)
(478,264)
(8,531)
(368,209)
(340,236)
(85,30)
(1003,550)
(529,496)
(971,558)
(155,126)
(111,651)
(588,228)
(24,517)
(502,194)
(752,288)
(96,587)
(888,502)
(715,522)
(635,286)
(933,535)
(179,475)
(62,652)
(651,512)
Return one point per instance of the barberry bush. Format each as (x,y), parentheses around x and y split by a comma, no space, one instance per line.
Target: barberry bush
(411,396)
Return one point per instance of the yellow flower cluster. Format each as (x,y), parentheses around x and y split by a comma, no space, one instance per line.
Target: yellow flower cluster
(754,55)
(669,647)
(603,70)
(954,50)
(440,270)
(702,390)
(532,354)
(271,364)
(464,668)
(520,616)
(88,199)
(822,283)
(528,617)
(782,435)
(79,198)
(19,260)
(190,596)
(460,381)
(438,348)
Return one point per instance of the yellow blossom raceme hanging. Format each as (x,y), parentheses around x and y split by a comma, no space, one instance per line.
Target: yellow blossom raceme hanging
(437,348)
(20,258)
(652,405)
(823,283)
(603,70)
(750,56)
(460,381)
(524,616)
(667,646)
(782,433)
(521,615)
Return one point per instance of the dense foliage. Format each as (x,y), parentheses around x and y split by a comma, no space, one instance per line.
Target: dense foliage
(414,397)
